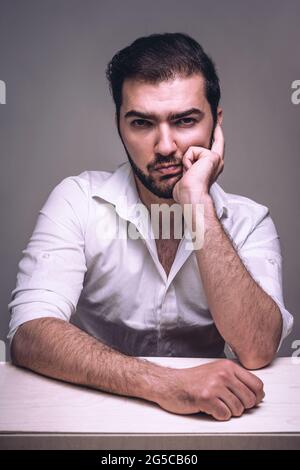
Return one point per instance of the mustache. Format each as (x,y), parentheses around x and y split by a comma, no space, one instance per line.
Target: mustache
(164,161)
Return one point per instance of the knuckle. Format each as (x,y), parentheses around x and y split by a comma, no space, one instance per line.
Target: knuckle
(205,395)
(250,402)
(222,415)
(213,383)
(185,187)
(239,409)
(226,371)
(229,364)
(260,386)
(223,374)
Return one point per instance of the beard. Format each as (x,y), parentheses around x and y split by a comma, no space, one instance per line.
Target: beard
(162,187)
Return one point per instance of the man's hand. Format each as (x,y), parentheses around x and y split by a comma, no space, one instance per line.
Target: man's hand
(201,168)
(221,388)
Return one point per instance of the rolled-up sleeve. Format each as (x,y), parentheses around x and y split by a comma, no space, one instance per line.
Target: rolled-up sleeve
(51,271)
(261,254)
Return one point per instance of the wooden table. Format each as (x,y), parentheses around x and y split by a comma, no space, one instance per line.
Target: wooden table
(42,413)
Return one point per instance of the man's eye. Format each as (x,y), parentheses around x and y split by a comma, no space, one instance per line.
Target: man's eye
(140,123)
(186,121)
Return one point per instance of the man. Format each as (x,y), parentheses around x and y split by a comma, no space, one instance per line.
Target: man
(88,299)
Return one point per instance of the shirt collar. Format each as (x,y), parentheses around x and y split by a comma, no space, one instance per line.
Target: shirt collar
(120,190)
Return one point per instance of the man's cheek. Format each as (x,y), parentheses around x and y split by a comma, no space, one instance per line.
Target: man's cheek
(201,136)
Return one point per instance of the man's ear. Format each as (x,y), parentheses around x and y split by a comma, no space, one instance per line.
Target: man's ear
(219,115)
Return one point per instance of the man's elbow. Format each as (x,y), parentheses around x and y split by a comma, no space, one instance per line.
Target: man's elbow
(259,357)
(253,362)
(16,348)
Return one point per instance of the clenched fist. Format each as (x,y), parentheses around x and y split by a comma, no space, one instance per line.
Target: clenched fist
(221,389)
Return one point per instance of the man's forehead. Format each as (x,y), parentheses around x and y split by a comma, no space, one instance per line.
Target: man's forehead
(178,90)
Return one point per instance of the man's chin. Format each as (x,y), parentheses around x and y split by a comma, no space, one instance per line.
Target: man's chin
(166,185)
(159,185)
(163,191)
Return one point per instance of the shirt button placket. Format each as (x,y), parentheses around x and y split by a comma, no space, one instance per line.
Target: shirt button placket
(160,315)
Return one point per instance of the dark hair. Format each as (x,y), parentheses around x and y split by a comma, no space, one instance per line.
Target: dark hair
(160,57)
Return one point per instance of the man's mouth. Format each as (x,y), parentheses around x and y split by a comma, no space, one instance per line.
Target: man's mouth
(169,169)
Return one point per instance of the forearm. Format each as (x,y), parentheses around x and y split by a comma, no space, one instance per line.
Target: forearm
(247,318)
(58,349)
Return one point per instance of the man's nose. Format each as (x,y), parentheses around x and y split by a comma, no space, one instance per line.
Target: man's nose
(165,143)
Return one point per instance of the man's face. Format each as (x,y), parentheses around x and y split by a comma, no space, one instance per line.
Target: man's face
(154,135)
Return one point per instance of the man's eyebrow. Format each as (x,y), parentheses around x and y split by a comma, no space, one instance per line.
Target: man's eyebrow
(135,113)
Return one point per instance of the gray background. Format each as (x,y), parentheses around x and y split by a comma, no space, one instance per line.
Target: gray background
(59,117)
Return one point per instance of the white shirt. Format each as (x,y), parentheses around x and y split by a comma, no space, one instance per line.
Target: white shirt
(115,288)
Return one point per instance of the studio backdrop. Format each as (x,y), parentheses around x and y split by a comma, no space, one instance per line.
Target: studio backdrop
(57,115)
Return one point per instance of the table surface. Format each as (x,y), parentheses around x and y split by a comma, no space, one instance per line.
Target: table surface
(31,403)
